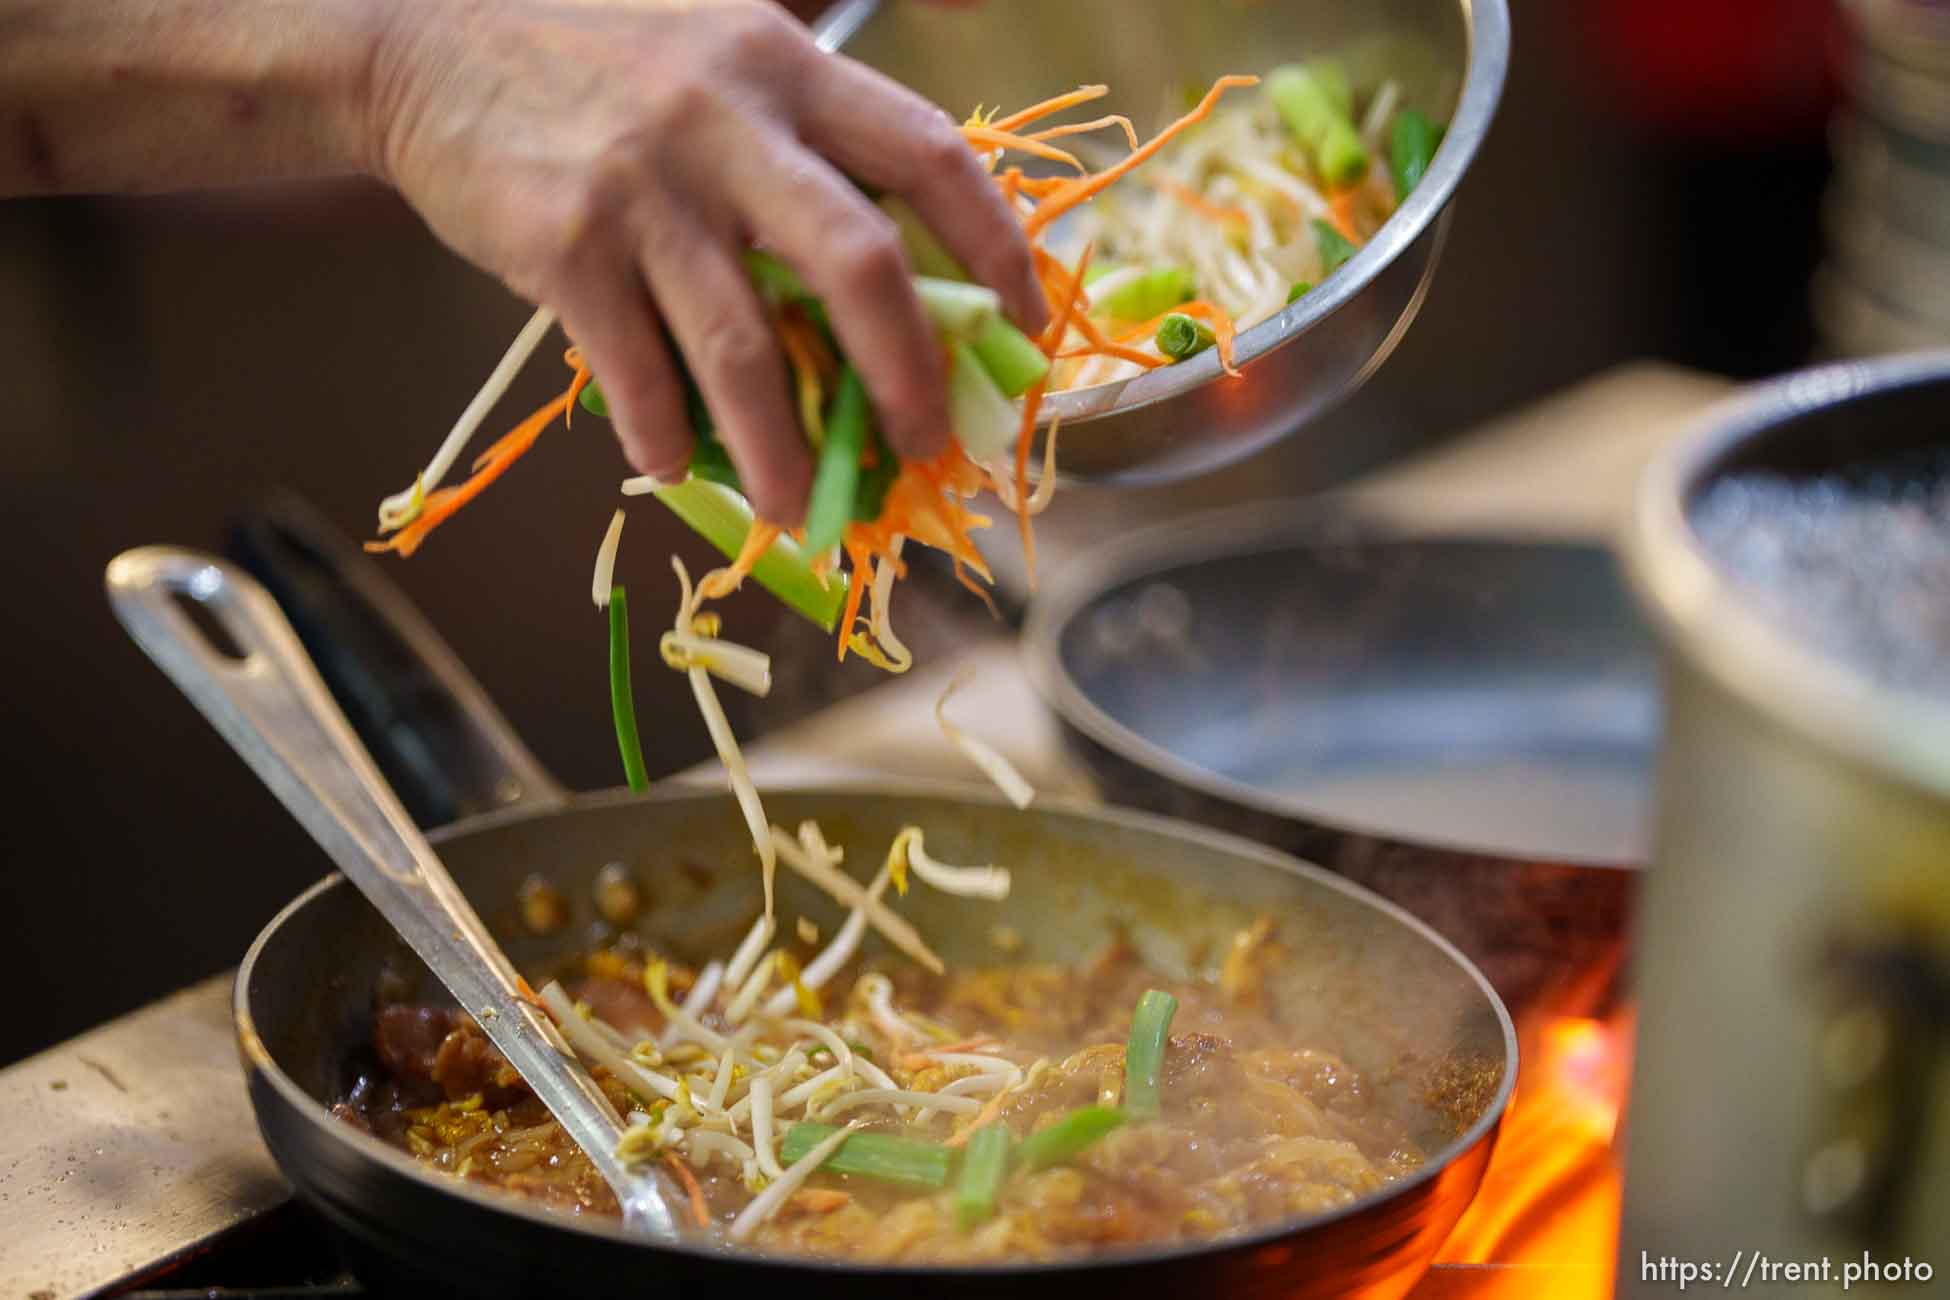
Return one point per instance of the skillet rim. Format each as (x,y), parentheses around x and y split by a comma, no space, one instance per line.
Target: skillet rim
(316,1116)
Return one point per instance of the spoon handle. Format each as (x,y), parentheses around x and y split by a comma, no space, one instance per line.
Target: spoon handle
(263,695)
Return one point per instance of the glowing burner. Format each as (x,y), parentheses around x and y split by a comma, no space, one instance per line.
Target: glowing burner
(1546,1220)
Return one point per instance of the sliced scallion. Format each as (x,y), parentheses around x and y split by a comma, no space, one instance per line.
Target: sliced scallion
(836,479)
(1011,357)
(984,421)
(1180,336)
(984,1165)
(1068,1137)
(723,518)
(622,702)
(908,1162)
(1144,1054)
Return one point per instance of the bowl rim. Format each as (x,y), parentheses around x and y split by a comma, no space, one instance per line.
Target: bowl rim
(1486,26)
(320,1124)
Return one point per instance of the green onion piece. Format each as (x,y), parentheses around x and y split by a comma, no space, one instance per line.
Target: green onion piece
(592,401)
(1181,336)
(1097,271)
(983,1167)
(1011,357)
(1334,248)
(836,479)
(925,253)
(723,518)
(1412,143)
(712,463)
(1069,1137)
(777,281)
(1153,293)
(1300,289)
(961,311)
(984,421)
(622,703)
(1144,1054)
(1317,105)
(908,1162)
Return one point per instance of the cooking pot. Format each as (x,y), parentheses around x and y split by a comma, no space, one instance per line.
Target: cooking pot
(1793,963)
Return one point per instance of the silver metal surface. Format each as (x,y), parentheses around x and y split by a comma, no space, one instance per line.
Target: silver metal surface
(1794,949)
(1449,56)
(127,1148)
(273,709)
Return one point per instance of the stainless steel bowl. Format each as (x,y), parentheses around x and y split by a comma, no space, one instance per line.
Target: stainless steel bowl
(1449,57)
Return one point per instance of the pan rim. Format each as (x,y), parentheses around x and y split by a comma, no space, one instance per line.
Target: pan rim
(320,1120)
(1231,531)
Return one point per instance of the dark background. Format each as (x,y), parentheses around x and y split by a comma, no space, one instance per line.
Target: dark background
(1649,190)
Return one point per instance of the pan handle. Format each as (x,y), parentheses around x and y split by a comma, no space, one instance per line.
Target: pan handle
(441,743)
(223,641)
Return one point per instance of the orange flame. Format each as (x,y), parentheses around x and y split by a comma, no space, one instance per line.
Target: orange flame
(1546,1220)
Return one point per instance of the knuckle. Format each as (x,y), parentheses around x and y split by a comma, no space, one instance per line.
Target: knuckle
(870,258)
(939,148)
(735,350)
(751,35)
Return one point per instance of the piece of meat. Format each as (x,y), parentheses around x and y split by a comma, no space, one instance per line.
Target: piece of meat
(622,1005)
(408,1038)
(467,1063)
(1198,1065)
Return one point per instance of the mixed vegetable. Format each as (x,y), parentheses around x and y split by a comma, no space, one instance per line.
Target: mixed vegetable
(1259,203)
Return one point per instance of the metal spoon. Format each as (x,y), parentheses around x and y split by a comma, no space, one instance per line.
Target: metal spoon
(267,700)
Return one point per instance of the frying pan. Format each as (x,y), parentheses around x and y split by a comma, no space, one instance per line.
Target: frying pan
(1366,980)
(1464,723)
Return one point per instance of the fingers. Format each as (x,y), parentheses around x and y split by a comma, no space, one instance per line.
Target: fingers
(728,342)
(885,135)
(850,254)
(609,315)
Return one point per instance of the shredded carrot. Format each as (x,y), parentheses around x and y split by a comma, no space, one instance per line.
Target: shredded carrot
(573,359)
(1084,128)
(803,348)
(720,583)
(819,1200)
(989,1111)
(1098,343)
(1036,112)
(1084,188)
(990,138)
(691,1188)
(1010,183)
(1341,205)
(856,589)
(442,505)
(1197,202)
(922,1059)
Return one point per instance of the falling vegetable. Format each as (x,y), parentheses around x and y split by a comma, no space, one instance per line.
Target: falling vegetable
(622,702)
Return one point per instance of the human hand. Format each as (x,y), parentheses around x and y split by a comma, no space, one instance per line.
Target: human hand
(613,159)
